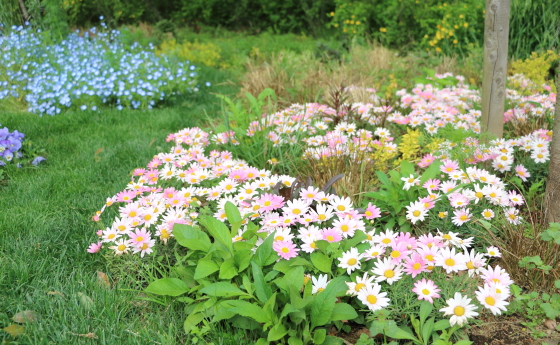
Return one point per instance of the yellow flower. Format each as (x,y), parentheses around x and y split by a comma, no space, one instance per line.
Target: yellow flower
(332,14)
(344,30)
(455,41)
(383,29)
(456,26)
(351,22)
(336,25)
(438,49)
(461,16)
(466,25)
(358,22)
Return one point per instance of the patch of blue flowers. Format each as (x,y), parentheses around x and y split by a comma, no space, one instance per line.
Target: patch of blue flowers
(86,71)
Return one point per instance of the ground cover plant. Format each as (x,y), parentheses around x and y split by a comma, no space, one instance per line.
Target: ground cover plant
(373,203)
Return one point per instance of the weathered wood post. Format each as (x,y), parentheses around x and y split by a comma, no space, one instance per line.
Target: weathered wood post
(496,31)
(552,194)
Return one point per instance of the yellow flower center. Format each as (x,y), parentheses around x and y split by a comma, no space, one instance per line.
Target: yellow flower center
(490,300)
(386,240)
(429,257)
(395,254)
(144,246)
(416,266)
(416,213)
(487,214)
(139,239)
(459,311)
(121,247)
(330,238)
(447,237)
(368,214)
(279,238)
(450,262)
(285,249)
(371,299)
(389,274)
(320,289)
(267,203)
(132,214)
(322,217)
(426,292)
(345,228)
(313,245)
(470,265)
(352,262)
(359,286)
(341,208)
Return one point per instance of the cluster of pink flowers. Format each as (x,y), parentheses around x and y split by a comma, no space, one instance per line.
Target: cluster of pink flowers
(396,255)
(148,211)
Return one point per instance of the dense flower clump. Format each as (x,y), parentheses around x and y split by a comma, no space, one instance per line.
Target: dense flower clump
(87,70)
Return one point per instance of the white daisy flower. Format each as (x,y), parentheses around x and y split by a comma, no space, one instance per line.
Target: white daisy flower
(460,309)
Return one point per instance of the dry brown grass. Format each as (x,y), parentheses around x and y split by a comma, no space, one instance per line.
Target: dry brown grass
(301,78)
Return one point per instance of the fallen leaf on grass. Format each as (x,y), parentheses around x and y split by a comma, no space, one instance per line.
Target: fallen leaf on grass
(25,316)
(89,335)
(14,330)
(56,293)
(103,280)
(85,301)
(550,324)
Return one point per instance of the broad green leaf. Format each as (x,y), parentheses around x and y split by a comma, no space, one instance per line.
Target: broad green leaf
(322,245)
(288,308)
(191,238)
(441,325)
(167,287)
(242,259)
(321,262)
(383,178)
(247,284)
(232,213)
(283,266)
(228,269)
(262,290)
(323,305)
(294,341)
(277,332)
(262,341)
(343,311)
(431,172)
(191,321)
(248,309)
(299,261)
(377,327)
(295,298)
(427,330)
(464,342)
(218,230)
(268,307)
(393,331)
(319,336)
(359,236)
(294,277)
(425,310)
(205,267)
(242,245)
(221,311)
(222,289)
(264,251)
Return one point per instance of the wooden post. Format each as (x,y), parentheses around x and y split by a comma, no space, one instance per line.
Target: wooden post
(552,193)
(496,31)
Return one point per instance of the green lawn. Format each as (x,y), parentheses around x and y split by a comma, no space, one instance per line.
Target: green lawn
(46,227)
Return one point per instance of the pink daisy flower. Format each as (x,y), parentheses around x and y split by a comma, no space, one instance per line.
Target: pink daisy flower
(139,237)
(332,235)
(372,211)
(414,265)
(432,184)
(426,290)
(461,216)
(286,249)
(95,247)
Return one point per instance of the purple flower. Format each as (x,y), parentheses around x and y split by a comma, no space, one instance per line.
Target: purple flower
(18,135)
(38,160)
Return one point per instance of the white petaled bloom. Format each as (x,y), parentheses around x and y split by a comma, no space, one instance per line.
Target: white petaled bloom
(121,247)
(493,252)
(350,260)
(374,252)
(460,309)
(387,270)
(319,284)
(488,297)
(361,282)
(410,181)
(416,211)
(373,298)
(451,261)
(341,204)
(475,262)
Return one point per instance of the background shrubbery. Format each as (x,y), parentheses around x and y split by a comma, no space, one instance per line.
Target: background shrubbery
(439,25)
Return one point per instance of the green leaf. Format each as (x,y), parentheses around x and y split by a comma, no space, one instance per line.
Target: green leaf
(319,335)
(425,310)
(343,311)
(288,308)
(222,289)
(264,251)
(192,320)
(232,213)
(228,269)
(277,332)
(464,342)
(330,340)
(242,258)
(407,168)
(191,238)
(167,287)
(441,325)
(262,341)
(427,330)
(359,236)
(294,341)
(323,305)
(321,262)
(299,261)
(218,230)
(393,331)
(294,277)
(205,267)
(248,309)
(262,290)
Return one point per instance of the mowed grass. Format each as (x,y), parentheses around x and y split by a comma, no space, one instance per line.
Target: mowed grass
(46,226)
